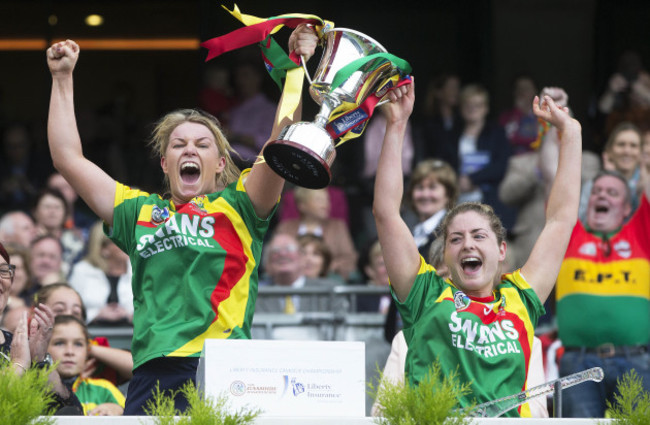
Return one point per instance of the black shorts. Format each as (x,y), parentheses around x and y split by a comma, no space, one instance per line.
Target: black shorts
(168,372)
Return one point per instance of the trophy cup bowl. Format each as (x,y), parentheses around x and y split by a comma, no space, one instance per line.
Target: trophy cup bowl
(304,152)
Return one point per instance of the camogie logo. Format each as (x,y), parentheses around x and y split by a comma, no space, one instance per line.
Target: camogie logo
(238,388)
(461,301)
(159,215)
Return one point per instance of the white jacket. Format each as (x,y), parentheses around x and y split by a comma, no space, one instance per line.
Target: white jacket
(94,288)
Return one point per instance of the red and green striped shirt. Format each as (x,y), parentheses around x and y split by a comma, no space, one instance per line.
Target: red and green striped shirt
(488,341)
(195,268)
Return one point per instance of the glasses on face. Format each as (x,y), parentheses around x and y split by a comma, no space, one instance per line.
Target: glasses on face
(288,249)
(7,270)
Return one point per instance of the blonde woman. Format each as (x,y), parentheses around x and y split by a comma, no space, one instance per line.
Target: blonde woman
(195,252)
(103,280)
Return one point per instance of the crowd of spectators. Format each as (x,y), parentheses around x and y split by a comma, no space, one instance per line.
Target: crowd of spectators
(458,149)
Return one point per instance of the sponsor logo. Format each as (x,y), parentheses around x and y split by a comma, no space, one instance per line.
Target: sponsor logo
(179,230)
(623,249)
(297,387)
(487,340)
(349,120)
(313,390)
(198,205)
(588,248)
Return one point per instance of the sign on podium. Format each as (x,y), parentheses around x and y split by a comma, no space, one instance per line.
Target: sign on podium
(286,378)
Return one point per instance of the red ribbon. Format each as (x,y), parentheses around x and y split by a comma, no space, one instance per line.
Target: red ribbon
(252,34)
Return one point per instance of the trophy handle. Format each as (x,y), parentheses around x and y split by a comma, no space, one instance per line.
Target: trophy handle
(304,66)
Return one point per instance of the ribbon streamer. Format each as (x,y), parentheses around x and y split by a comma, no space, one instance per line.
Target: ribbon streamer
(348,121)
(279,65)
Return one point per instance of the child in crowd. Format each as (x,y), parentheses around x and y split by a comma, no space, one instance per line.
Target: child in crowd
(69,349)
(104,361)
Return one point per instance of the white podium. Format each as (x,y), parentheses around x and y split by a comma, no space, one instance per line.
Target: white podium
(286,378)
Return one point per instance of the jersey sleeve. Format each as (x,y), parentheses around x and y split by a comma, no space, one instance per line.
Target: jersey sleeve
(427,286)
(529,298)
(128,203)
(244,206)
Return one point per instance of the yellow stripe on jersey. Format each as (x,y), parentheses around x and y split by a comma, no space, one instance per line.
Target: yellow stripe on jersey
(620,278)
(447,293)
(222,327)
(88,407)
(122,193)
(108,385)
(425,267)
(514,303)
(242,180)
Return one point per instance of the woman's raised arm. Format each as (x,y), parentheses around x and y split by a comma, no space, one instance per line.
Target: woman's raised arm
(401,254)
(94,186)
(263,185)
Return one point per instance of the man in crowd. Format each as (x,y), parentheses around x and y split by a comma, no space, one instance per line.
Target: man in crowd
(603,295)
(46,253)
(16,227)
(284,268)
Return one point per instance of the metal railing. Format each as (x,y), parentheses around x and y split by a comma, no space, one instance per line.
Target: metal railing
(324,325)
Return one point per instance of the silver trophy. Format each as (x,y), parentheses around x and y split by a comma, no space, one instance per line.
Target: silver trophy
(304,152)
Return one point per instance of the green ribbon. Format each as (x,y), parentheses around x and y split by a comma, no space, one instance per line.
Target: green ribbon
(278,59)
(344,73)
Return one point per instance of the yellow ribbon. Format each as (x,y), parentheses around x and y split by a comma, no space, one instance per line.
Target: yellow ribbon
(294,81)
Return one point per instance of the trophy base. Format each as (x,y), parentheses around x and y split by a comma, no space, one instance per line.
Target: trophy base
(302,155)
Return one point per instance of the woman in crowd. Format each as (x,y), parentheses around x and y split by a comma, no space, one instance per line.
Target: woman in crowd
(441,121)
(27,346)
(432,191)
(69,348)
(477,322)
(22,285)
(103,279)
(50,214)
(316,256)
(374,268)
(314,210)
(479,153)
(195,252)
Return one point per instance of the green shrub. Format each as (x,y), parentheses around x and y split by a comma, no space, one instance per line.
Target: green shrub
(631,404)
(24,399)
(433,402)
(201,411)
